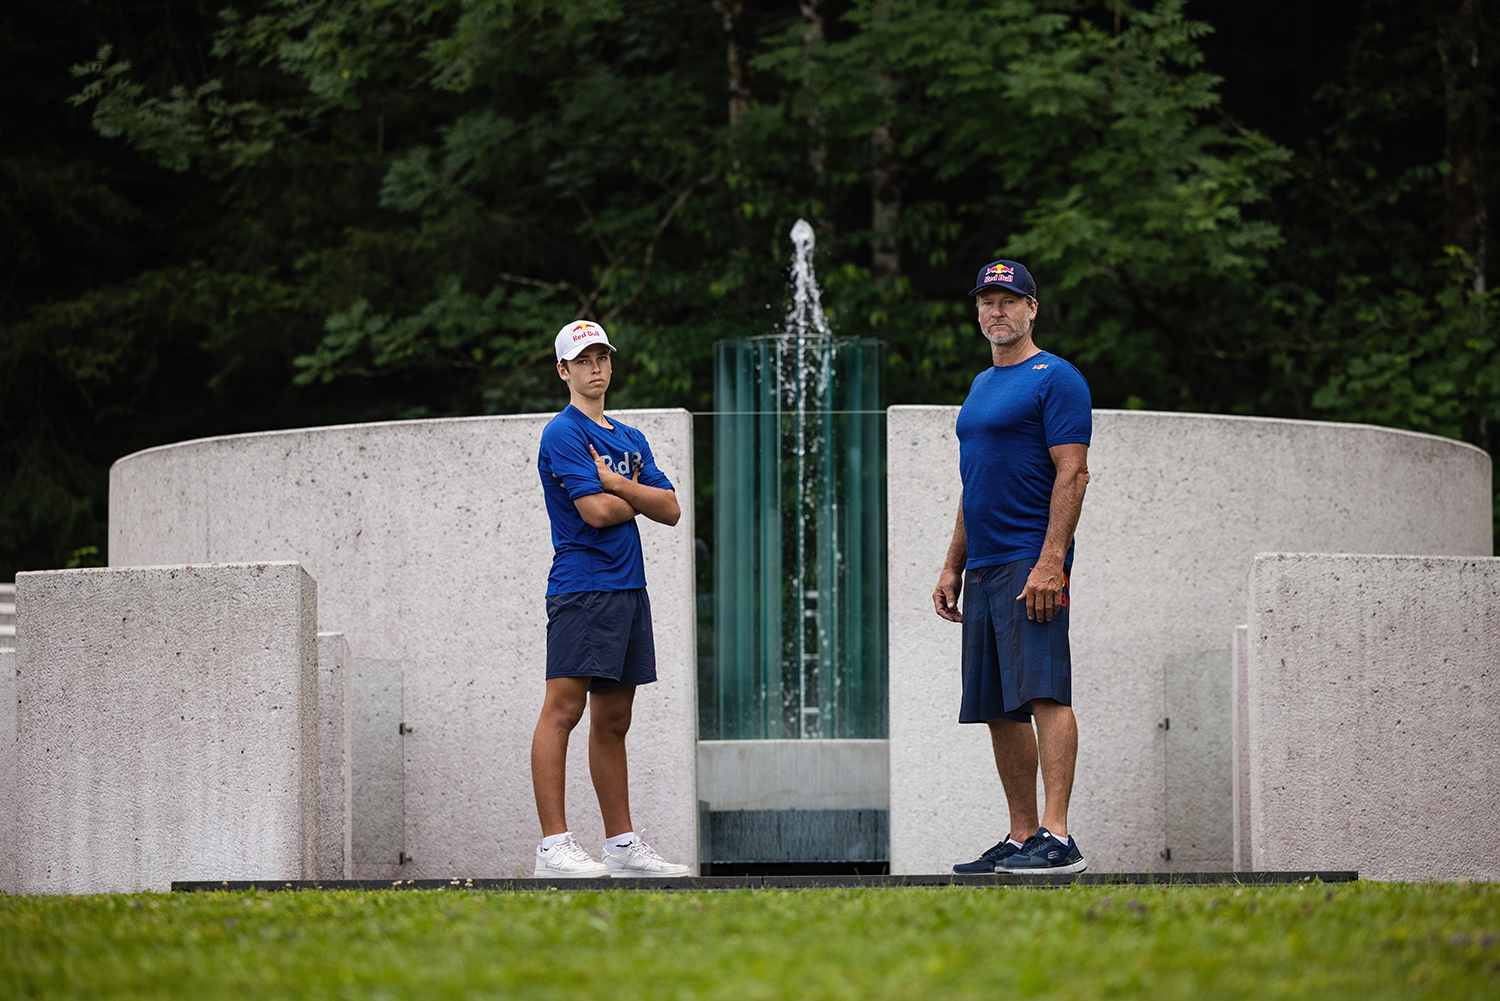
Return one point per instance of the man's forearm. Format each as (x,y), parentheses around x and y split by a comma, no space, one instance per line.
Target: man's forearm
(1067,505)
(1062,518)
(958,549)
(656,503)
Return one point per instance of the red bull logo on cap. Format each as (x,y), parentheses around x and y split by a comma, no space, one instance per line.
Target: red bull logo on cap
(576,335)
(1000,273)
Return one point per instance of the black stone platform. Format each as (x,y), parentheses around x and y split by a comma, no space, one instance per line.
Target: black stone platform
(783,882)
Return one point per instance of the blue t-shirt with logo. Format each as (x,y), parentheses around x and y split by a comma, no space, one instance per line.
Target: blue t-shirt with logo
(588,558)
(1012,416)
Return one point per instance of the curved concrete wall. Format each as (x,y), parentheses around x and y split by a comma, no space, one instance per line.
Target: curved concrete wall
(430,544)
(1178,506)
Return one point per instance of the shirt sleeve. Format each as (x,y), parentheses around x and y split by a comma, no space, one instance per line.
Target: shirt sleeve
(1067,409)
(566,453)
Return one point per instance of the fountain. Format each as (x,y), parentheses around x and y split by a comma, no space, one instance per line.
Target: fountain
(799,582)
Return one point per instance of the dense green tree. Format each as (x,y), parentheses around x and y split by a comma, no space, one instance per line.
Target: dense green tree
(307,211)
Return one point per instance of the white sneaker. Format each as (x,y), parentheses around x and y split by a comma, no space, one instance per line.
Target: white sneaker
(567,860)
(640,859)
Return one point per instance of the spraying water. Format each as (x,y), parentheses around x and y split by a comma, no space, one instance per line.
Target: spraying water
(805,361)
(799,512)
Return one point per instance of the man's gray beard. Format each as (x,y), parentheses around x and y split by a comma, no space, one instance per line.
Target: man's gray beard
(1016,338)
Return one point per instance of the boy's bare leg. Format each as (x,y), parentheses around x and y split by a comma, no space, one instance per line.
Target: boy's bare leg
(1016,760)
(561,710)
(609,720)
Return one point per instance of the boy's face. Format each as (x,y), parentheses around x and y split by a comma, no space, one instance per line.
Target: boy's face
(587,373)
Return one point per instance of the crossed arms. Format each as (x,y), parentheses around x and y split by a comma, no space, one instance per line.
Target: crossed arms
(624,498)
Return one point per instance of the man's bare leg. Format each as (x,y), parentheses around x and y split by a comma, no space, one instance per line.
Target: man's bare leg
(561,710)
(1057,742)
(609,720)
(1016,760)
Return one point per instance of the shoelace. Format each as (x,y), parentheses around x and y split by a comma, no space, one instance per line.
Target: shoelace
(574,851)
(641,848)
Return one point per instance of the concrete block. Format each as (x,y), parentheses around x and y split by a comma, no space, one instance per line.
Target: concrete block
(335,807)
(166,726)
(1374,714)
(794,774)
(1177,507)
(794,800)
(430,544)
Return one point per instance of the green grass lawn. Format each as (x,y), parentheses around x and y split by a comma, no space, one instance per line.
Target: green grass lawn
(1357,940)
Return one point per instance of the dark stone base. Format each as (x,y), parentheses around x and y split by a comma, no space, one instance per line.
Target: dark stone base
(875,868)
(795,836)
(788,882)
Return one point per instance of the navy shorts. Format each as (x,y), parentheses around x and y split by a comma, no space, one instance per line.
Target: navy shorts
(604,635)
(1009,659)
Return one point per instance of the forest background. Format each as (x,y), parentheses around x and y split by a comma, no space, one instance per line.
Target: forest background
(228,218)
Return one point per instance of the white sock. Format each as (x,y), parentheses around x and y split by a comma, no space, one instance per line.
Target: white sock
(1013,841)
(617,844)
(1059,840)
(552,841)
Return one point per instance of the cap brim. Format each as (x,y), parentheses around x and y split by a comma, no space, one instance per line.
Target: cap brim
(980,288)
(577,349)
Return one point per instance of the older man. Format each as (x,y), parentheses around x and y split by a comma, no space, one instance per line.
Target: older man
(1023,436)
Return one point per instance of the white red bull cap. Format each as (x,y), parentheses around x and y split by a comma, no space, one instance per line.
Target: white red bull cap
(576,336)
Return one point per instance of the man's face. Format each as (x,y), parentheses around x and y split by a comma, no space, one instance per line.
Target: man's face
(588,371)
(1004,316)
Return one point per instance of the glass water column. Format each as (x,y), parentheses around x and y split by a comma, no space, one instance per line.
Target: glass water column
(799,595)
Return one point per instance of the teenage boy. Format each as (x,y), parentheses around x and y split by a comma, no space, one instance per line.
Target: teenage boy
(597,475)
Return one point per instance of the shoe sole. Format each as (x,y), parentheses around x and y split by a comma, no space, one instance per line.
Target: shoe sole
(1055,870)
(641,874)
(557,874)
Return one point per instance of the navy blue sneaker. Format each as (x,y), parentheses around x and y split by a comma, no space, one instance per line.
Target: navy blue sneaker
(989,862)
(1044,855)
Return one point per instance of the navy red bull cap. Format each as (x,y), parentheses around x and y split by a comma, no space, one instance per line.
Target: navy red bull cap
(1005,274)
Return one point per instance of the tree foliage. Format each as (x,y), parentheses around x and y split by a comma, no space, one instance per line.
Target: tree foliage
(307,211)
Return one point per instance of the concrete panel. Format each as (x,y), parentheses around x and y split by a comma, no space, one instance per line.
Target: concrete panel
(1240,747)
(166,726)
(8,800)
(430,544)
(1177,508)
(794,774)
(377,778)
(1196,724)
(1374,714)
(335,806)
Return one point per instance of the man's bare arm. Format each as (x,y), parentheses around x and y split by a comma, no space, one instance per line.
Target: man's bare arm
(951,580)
(1044,587)
(657,503)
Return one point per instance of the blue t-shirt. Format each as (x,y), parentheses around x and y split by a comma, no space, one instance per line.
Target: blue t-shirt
(1012,416)
(588,558)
